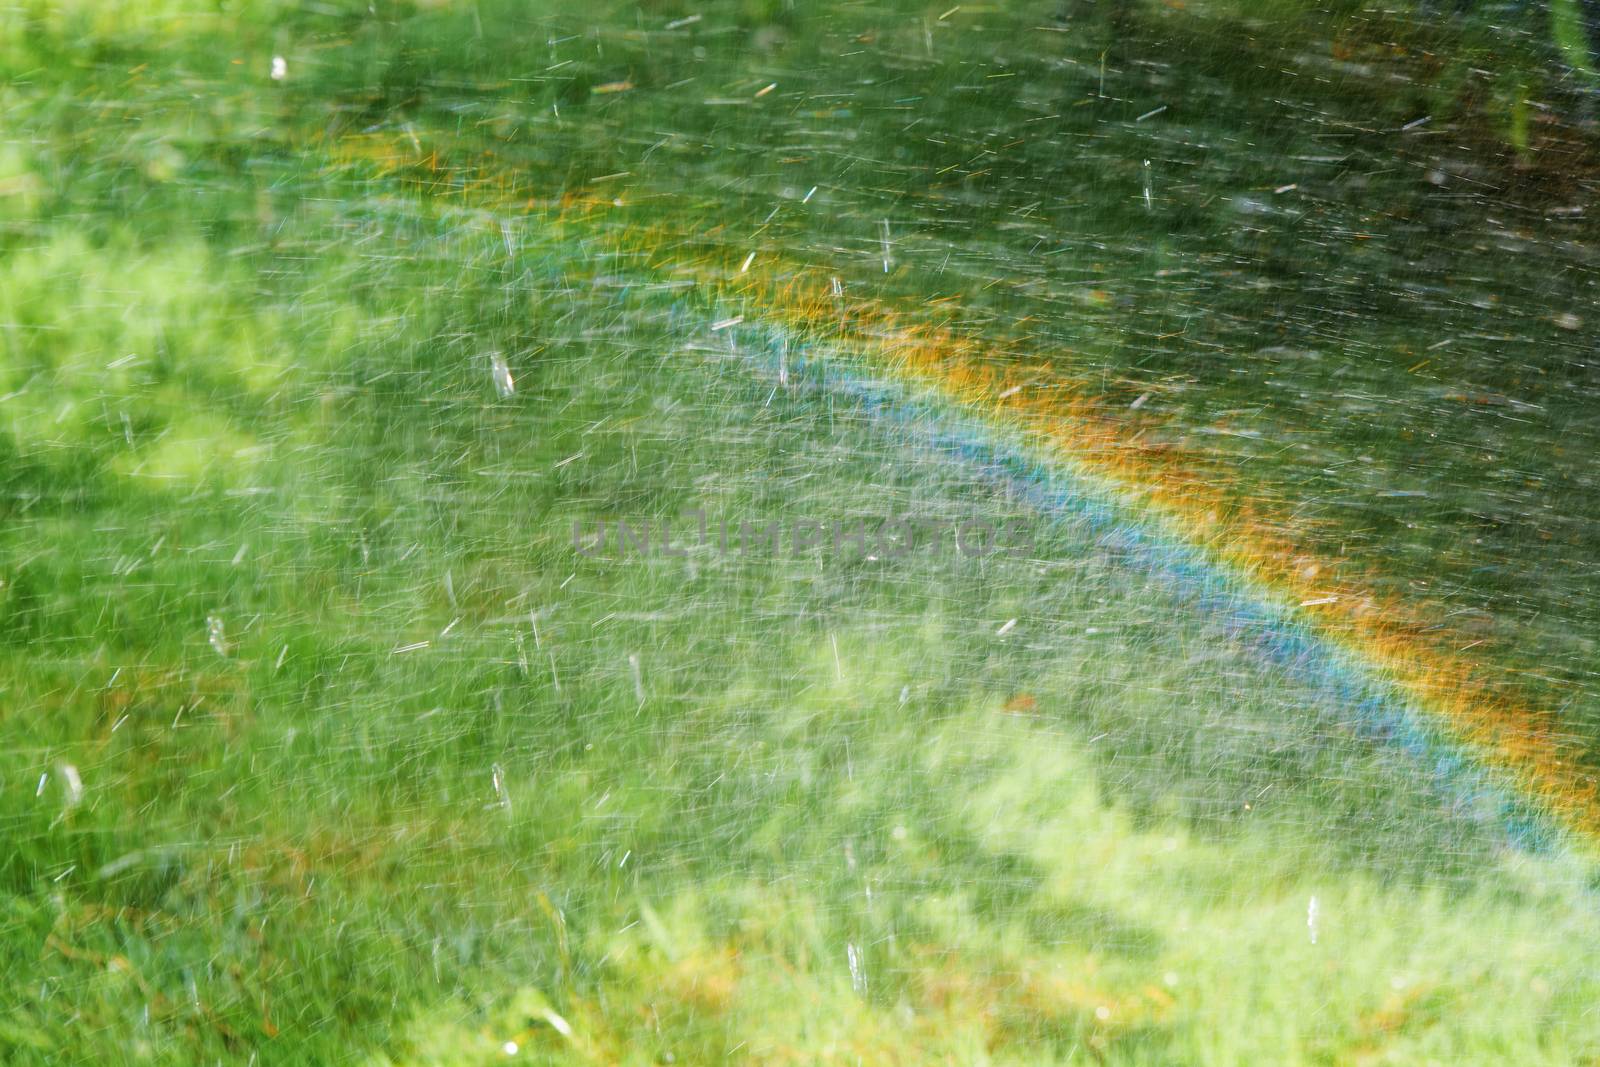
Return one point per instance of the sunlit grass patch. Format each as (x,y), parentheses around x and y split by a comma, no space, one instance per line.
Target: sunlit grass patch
(1125,946)
(127,347)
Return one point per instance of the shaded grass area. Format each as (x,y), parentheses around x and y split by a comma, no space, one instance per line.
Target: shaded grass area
(323,745)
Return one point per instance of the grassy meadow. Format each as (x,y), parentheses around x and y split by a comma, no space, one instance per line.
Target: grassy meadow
(321,325)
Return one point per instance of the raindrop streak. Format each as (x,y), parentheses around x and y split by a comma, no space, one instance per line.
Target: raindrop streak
(74,783)
(858,969)
(504,384)
(497,775)
(1311,919)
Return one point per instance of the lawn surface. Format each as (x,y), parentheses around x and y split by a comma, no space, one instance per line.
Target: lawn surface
(321,742)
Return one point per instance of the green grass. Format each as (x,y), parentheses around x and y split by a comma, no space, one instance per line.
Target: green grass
(322,744)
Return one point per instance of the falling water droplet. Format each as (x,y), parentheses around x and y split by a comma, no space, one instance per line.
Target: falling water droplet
(214,634)
(497,775)
(858,970)
(74,784)
(504,384)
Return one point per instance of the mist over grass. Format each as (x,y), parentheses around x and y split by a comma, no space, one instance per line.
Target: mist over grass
(324,744)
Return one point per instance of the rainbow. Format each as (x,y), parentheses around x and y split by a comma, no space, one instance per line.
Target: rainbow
(1023,425)
(983,403)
